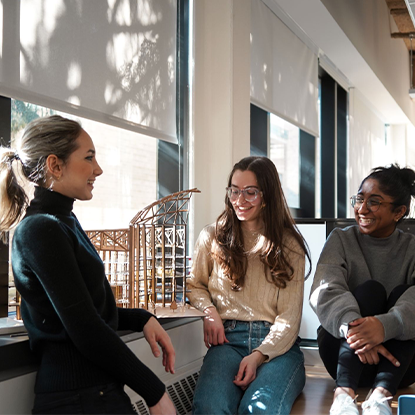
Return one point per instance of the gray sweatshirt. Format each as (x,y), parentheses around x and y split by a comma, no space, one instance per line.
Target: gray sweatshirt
(350,258)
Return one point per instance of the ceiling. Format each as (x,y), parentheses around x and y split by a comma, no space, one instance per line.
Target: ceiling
(403,12)
(315,22)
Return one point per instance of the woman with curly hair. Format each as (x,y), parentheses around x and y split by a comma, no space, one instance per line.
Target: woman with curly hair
(248,278)
(364,296)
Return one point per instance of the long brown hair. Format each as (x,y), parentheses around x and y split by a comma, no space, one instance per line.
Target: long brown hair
(230,253)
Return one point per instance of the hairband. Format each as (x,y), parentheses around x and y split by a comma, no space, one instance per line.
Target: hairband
(15,156)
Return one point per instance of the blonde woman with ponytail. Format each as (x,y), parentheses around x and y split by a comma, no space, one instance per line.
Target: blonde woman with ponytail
(67,304)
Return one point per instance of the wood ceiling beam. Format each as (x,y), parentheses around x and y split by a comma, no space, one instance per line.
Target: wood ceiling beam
(399,12)
(396,4)
(401,35)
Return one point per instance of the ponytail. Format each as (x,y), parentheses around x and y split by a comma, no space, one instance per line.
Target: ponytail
(13,198)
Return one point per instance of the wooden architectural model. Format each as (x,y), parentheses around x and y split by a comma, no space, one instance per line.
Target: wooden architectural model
(147,264)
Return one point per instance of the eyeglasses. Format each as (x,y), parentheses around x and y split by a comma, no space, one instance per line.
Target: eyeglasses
(372,204)
(250,193)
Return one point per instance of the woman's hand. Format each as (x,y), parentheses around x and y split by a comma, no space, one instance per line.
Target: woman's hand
(371,357)
(156,335)
(214,332)
(247,369)
(163,407)
(365,333)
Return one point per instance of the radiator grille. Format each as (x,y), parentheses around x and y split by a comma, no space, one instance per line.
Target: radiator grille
(141,408)
(181,393)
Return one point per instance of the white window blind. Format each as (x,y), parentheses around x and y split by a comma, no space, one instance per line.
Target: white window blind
(112,61)
(284,71)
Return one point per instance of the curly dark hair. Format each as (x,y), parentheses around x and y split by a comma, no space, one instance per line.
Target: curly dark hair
(396,182)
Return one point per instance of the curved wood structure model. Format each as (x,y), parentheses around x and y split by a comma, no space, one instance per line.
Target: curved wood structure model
(147,263)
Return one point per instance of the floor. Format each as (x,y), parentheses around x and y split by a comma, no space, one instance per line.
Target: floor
(317,395)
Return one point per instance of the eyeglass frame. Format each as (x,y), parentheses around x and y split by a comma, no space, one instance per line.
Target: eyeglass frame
(354,197)
(243,192)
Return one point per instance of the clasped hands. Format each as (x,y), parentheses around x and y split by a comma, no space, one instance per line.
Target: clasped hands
(214,335)
(365,336)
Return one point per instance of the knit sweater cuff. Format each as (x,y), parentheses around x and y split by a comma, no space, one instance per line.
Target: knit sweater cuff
(202,303)
(391,324)
(133,318)
(153,392)
(270,352)
(345,320)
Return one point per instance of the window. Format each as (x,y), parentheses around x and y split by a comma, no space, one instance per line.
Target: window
(313,170)
(129,162)
(138,169)
(293,152)
(285,153)
(333,144)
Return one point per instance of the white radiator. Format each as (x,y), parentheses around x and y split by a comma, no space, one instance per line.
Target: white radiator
(190,350)
(16,392)
(180,387)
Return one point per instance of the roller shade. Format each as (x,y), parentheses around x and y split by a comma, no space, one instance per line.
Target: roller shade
(284,71)
(112,61)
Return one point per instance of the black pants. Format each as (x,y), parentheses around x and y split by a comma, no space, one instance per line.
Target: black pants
(105,399)
(344,365)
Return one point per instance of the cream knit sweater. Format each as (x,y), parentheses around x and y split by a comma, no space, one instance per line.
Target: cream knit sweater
(259,299)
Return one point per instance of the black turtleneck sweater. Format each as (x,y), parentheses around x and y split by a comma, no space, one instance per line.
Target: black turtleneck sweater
(68,307)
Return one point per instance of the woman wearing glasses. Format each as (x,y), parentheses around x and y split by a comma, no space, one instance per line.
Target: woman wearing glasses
(364,295)
(248,278)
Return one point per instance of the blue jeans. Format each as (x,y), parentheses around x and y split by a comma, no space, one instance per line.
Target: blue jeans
(277,383)
(106,399)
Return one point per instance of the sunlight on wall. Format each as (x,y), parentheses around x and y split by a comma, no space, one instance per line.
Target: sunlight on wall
(111,61)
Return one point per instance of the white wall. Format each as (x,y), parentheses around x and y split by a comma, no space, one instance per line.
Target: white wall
(367,148)
(221,123)
(410,145)
(369,144)
(397,143)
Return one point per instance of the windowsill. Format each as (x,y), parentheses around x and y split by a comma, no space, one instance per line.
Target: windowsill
(16,358)
(10,326)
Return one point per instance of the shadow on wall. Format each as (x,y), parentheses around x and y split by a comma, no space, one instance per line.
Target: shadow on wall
(113,55)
